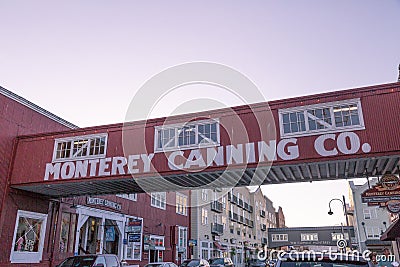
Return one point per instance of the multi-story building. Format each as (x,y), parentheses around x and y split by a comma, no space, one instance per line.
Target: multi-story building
(260,216)
(369,221)
(231,223)
(271,213)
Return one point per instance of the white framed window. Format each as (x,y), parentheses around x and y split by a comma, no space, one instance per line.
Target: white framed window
(132,197)
(324,117)
(158,200)
(182,236)
(373,232)
(181,204)
(204,194)
(309,237)
(159,246)
(28,240)
(134,248)
(204,216)
(80,147)
(370,213)
(202,133)
(279,237)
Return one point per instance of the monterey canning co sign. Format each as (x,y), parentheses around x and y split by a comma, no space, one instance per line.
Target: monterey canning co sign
(326,145)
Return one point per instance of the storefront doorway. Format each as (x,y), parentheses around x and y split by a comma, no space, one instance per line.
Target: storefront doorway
(89,240)
(111,237)
(100,232)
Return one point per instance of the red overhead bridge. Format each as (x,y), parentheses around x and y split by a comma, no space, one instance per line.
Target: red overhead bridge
(344,134)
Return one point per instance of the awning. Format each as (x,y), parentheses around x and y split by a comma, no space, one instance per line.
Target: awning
(392,232)
(219,246)
(377,242)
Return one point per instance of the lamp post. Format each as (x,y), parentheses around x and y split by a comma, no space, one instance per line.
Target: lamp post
(330,212)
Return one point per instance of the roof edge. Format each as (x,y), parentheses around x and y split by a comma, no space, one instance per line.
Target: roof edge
(36,108)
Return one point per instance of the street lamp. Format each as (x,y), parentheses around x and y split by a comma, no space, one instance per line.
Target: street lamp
(330,212)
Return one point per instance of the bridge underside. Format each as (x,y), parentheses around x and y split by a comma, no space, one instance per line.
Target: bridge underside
(307,172)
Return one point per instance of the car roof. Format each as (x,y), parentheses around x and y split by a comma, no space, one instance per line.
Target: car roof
(92,255)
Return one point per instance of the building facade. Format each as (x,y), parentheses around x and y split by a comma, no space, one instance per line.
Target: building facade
(369,221)
(18,117)
(229,223)
(38,230)
(327,136)
(310,238)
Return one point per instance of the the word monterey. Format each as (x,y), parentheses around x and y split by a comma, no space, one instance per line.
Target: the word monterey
(285,149)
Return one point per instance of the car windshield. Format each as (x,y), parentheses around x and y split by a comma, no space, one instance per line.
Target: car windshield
(191,263)
(217,261)
(79,262)
(323,264)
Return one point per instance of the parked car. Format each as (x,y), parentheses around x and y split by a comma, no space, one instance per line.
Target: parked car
(317,259)
(161,264)
(100,260)
(221,262)
(195,263)
(256,263)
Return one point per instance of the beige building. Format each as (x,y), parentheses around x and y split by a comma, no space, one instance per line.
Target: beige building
(229,223)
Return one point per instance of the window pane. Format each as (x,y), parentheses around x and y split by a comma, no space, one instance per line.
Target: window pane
(28,234)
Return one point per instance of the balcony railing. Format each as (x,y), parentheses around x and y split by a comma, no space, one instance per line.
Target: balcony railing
(263,227)
(248,207)
(216,206)
(262,213)
(217,229)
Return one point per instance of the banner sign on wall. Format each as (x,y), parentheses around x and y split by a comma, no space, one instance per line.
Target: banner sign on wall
(103,202)
(134,226)
(134,237)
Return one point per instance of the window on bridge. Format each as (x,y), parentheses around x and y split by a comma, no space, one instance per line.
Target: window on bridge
(194,134)
(320,118)
(80,147)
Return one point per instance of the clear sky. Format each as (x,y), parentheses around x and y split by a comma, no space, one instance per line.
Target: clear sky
(84,60)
